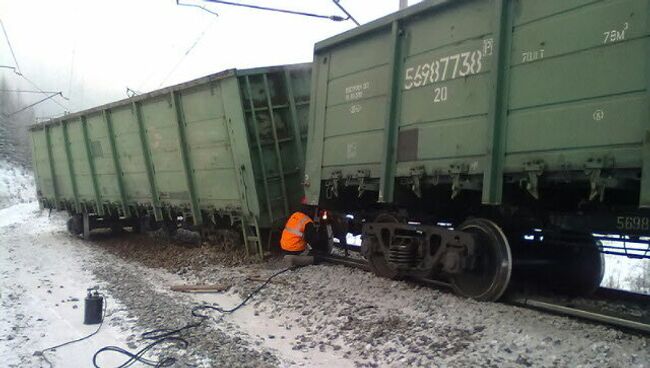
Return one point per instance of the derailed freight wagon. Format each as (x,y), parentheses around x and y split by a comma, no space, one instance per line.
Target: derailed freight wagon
(226,149)
(475,140)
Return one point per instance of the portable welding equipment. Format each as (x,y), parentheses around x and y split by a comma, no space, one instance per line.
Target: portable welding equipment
(93,305)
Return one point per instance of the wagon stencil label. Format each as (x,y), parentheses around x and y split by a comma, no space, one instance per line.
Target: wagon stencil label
(636,223)
(599,115)
(351,150)
(356,108)
(356,91)
(529,56)
(615,35)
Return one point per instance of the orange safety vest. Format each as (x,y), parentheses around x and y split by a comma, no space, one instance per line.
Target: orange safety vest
(293,233)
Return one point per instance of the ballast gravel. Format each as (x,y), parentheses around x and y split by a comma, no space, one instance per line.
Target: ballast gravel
(377,322)
(324,315)
(373,322)
(212,343)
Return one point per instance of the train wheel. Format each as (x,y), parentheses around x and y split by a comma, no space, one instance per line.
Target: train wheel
(579,270)
(75,225)
(491,274)
(591,266)
(116,228)
(170,228)
(136,225)
(377,261)
(324,245)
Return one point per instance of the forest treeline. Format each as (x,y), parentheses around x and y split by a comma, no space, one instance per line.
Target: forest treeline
(14,137)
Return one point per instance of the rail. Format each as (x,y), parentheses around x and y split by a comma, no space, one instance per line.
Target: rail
(565,307)
(600,317)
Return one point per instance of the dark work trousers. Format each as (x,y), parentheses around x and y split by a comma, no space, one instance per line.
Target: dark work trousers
(293,253)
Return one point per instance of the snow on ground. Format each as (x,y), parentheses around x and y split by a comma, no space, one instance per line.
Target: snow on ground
(316,316)
(43,277)
(627,273)
(16,185)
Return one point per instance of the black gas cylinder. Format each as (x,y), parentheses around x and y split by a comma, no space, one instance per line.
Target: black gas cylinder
(93,307)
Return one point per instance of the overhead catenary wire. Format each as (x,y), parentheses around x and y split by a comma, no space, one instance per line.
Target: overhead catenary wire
(25,91)
(9,43)
(71,74)
(32,105)
(59,93)
(130,92)
(16,69)
(43,92)
(141,84)
(196,6)
(187,52)
(13,68)
(350,17)
(336,18)
(251,6)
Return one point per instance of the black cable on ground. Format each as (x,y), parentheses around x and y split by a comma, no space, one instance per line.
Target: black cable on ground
(41,353)
(164,335)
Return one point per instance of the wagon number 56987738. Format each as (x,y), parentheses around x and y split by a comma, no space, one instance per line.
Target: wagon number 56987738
(442,69)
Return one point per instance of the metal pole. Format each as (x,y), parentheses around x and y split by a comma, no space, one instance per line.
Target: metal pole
(403,4)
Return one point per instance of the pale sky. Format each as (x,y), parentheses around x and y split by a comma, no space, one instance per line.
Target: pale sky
(92,50)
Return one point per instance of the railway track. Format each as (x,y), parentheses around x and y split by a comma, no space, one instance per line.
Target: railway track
(625,310)
(346,261)
(610,311)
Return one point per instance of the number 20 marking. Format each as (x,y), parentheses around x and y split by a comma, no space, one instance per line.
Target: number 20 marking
(440,94)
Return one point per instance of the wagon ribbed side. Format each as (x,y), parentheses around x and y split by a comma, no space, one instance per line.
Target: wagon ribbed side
(472,93)
(227,145)
(472,140)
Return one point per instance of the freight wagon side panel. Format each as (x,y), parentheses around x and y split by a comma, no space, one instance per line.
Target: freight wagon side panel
(60,163)
(41,163)
(444,90)
(478,89)
(296,83)
(299,80)
(186,150)
(578,85)
(130,154)
(158,117)
(401,94)
(358,86)
(79,159)
(350,87)
(101,155)
(209,145)
(276,103)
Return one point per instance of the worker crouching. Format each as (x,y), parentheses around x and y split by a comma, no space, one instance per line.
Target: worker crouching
(298,233)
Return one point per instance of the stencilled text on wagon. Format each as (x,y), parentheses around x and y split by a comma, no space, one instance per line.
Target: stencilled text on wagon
(356,91)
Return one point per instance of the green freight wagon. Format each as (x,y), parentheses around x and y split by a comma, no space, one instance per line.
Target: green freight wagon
(228,147)
(523,123)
